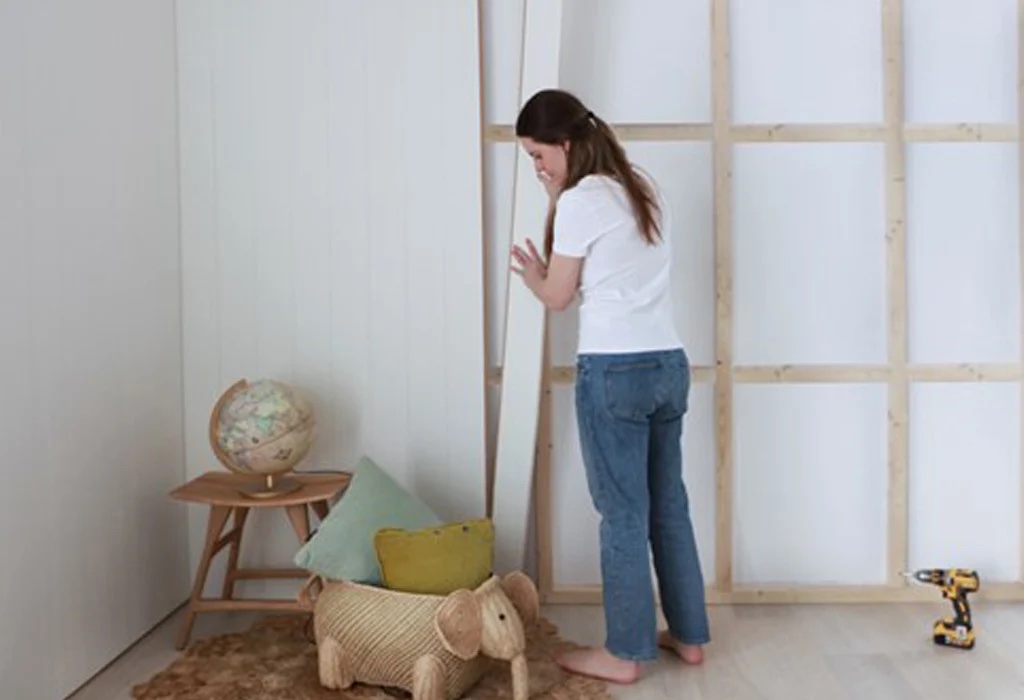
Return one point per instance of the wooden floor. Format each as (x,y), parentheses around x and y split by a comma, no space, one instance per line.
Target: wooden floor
(813,652)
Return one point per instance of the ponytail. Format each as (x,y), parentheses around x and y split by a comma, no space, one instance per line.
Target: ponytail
(555,117)
(598,152)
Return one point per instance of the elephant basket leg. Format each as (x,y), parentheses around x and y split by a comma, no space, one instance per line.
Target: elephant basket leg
(335,665)
(428,679)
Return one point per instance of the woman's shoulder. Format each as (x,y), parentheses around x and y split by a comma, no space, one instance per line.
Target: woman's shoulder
(592,188)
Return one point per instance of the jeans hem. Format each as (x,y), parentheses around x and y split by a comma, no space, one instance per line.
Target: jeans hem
(639,658)
(691,641)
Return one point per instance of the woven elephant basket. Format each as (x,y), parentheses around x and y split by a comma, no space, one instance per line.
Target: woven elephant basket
(435,647)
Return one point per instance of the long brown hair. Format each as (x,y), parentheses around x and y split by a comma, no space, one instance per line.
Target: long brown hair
(555,117)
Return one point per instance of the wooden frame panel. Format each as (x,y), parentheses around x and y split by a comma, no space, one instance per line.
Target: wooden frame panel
(898,373)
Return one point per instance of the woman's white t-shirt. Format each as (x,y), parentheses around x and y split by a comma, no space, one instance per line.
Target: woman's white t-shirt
(625,284)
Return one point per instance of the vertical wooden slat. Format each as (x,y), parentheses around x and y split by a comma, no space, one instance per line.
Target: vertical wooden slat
(542,480)
(482,88)
(896,254)
(722,135)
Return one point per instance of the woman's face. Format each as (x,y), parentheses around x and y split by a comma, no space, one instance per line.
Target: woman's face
(549,161)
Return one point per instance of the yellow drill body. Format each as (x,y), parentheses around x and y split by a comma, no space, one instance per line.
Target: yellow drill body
(956,631)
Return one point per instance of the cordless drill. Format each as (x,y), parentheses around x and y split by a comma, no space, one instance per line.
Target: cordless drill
(957,631)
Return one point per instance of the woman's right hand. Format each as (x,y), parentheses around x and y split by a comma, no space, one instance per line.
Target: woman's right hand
(553,188)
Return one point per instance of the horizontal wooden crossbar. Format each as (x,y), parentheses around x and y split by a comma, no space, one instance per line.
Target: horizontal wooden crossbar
(797,594)
(798,133)
(827,374)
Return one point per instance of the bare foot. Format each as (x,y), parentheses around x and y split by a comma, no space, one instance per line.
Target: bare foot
(689,653)
(599,663)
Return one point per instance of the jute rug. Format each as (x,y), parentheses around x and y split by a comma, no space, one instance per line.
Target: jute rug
(276,660)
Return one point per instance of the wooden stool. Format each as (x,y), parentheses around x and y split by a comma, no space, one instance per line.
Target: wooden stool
(220,491)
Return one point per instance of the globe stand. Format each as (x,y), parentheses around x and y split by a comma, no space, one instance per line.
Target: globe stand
(270,488)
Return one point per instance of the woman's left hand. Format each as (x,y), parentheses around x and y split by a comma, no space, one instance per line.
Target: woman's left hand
(531,267)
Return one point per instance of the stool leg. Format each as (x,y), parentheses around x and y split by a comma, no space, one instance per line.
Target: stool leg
(215,525)
(321,508)
(300,521)
(236,545)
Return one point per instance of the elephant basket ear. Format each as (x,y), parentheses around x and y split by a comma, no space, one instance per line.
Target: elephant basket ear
(459,623)
(523,594)
(309,592)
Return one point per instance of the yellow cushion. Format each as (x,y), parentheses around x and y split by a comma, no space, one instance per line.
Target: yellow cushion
(436,560)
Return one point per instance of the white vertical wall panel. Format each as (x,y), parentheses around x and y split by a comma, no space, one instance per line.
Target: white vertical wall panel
(615,50)
(809,254)
(961,60)
(810,484)
(806,61)
(94,552)
(964,475)
(502,47)
(523,351)
(331,199)
(963,266)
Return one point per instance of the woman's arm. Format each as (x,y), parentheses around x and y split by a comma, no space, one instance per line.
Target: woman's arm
(555,284)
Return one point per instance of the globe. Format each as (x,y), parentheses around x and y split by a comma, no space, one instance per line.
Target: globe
(262,428)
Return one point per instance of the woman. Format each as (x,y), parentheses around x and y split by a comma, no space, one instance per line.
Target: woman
(607,236)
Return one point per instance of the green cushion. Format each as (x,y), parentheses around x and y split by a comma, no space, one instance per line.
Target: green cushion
(343,546)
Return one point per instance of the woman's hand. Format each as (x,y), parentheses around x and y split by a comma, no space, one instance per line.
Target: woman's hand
(553,188)
(531,267)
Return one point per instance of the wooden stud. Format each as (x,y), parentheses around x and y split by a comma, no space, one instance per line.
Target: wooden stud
(790,595)
(798,133)
(949,133)
(488,455)
(544,524)
(896,254)
(721,98)
(829,374)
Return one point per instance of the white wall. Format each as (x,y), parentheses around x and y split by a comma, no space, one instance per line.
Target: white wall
(795,300)
(93,551)
(331,227)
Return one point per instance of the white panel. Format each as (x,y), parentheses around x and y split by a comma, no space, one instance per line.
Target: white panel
(449,442)
(965,478)
(614,50)
(807,61)
(962,258)
(684,172)
(810,484)
(501,48)
(576,550)
(525,321)
(94,552)
(322,146)
(809,250)
(961,60)
(499,173)
(29,472)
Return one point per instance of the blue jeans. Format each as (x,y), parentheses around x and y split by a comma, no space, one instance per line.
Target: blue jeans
(630,410)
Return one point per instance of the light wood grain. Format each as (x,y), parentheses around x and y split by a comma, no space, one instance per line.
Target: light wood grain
(896,256)
(721,74)
(797,133)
